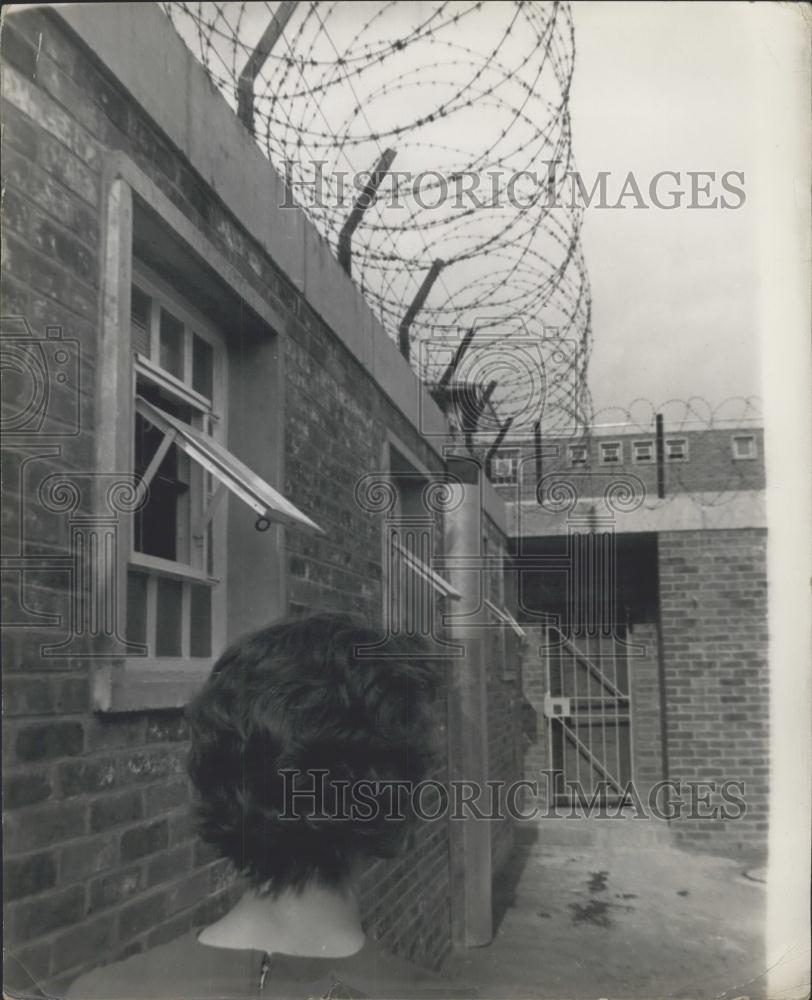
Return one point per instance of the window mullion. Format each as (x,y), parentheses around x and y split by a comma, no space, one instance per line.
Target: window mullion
(185,619)
(152,612)
(154,329)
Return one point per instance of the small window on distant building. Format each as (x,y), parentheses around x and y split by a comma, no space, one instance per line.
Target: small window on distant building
(642,452)
(505,466)
(676,450)
(744,447)
(579,454)
(611,452)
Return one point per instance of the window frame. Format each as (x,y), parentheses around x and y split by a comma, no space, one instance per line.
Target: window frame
(121,684)
(675,440)
(571,448)
(203,488)
(648,443)
(513,457)
(602,445)
(744,437)
(401,464)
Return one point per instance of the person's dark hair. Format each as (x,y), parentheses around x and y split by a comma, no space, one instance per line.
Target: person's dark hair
(296,696)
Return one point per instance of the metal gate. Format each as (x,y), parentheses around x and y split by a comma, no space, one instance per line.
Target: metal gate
(587,706)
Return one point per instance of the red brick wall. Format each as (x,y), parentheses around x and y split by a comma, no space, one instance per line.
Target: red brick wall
(713,591)
(101,859)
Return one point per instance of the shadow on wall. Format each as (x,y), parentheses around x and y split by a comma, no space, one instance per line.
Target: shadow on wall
(504,891)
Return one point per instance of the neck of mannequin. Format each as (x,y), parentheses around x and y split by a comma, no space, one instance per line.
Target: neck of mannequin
(318,921)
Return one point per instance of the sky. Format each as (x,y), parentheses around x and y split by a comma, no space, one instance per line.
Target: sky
(657,86)
(675,293)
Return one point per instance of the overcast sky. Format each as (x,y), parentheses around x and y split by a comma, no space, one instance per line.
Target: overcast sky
(669,87)
(657,86)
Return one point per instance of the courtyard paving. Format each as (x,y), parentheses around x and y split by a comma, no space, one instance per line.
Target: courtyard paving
(613,919)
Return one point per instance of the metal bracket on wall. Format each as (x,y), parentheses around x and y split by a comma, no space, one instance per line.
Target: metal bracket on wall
(245,84)
(362,203)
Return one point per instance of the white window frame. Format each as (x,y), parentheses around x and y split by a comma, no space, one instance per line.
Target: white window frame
(510,455)
(676,440)
(604,445)
(751,438)
(637,459)
(205,494)
(571,449)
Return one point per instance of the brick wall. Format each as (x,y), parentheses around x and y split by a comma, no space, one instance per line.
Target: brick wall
(644,677)
(101,859)
(532,723)
(710,466)
(713,591)
(503,694)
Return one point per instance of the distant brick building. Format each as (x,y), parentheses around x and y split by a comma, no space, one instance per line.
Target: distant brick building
(662,604)
(166,320)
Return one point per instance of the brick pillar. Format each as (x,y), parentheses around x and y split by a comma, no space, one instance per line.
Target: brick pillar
(647,747)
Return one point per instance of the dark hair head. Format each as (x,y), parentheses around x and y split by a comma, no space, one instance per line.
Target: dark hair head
(302,695)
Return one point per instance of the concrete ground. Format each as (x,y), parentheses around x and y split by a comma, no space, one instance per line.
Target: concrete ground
(613,918)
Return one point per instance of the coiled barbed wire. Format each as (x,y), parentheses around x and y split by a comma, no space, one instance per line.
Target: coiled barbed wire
(473,97)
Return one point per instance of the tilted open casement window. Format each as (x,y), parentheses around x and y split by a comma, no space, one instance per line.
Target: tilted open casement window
(178,559)
(230,472)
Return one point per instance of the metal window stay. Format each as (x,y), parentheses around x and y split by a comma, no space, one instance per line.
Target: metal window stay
(505,617)
(425,572)
(231,473)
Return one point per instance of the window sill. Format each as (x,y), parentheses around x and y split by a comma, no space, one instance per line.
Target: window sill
(143,685)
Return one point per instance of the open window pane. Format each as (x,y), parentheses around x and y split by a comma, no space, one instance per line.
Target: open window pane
(162,525)
(200,620)
(226,467)
(171,341)
(136,607)
(202,367)
(169,616)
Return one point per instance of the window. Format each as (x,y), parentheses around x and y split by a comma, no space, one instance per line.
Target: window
(578,454)
(177,565)
(611,452)
(174,375)
(176,571)
(676,450)
(411,585)
(505,466)
(642,452)
(744,447)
